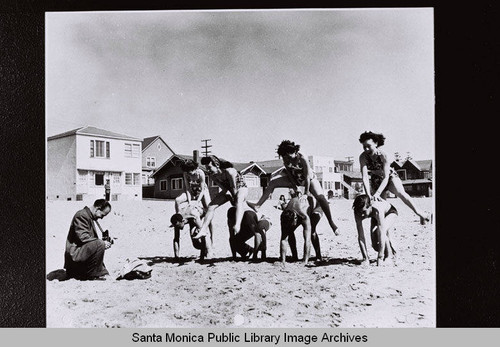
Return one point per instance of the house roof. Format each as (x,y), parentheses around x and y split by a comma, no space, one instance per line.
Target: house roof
(425,165)
(417,181)
(271,166)
(397,164)
(172,157)
(149,140)
(93,131)
(351,174)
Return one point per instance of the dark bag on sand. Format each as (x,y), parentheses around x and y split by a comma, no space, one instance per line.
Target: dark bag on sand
(136,269)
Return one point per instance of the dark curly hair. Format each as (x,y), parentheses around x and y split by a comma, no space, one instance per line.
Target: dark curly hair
(379,139)
(189,165)
(360,203)
(286,147)
(220,163)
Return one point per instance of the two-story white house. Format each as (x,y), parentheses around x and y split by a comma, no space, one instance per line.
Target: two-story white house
(328,176)
(80,161)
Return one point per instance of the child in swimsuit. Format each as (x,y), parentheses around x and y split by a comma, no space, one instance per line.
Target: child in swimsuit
(378,176)
(233,189)
(297,173)
(382,215)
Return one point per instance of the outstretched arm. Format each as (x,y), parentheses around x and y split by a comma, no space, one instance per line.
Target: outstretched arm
(381,234)
(306,223)
(308,173)
(203,185)
(232,174)
(361,239)
(187,187)
(364,175)
(385,180)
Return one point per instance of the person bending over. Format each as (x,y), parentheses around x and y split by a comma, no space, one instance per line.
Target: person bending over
(382,215)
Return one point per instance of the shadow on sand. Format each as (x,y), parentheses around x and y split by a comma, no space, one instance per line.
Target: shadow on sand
(270,260)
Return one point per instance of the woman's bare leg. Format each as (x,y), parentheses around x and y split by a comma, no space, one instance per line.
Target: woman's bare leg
(282,181)
(241,197)
(396,186)
(317,192)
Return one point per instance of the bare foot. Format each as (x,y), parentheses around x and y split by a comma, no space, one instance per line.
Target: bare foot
(425,219)
(336,232)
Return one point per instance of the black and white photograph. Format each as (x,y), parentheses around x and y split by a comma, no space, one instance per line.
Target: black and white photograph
(240,168)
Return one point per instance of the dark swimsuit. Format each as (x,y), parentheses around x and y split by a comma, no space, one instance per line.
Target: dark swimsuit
(297,171)
(377,165)
(225,184)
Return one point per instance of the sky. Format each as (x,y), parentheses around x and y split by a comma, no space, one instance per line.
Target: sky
(246,79)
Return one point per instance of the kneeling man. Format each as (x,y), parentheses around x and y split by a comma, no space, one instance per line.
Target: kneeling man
(84,255)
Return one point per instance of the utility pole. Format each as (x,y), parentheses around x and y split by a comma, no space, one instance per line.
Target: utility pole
(206,147)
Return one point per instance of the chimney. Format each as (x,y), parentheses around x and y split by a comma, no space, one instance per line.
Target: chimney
(196,156)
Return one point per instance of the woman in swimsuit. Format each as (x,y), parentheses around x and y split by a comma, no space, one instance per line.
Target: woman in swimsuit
(383,215)
(379,177)
(298,173)
(233,189)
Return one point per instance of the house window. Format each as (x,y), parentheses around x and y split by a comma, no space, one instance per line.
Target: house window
(128,178)
(151,161)
(251,181)
(82,177)
(337,185)
(144,179)
(99,149)
(137,179)
(330,169)
(116,178)
(402,174)
(132,150)
(132,179)
(176,183)
(99,179)
(163,185)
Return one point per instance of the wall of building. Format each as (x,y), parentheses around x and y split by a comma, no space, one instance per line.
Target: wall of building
(159,150)
(172,172)
(117,164)
(61,172)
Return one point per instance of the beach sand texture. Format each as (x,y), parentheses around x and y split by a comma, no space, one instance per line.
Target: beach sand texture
(336,293)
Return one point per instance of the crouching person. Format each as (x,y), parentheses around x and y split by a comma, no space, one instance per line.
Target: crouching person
(382,217)
(84,255)
(250,227)
(191,214)
(300,211)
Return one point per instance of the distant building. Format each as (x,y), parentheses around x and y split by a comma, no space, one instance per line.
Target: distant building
(416,176)
(155,151)
(81,160)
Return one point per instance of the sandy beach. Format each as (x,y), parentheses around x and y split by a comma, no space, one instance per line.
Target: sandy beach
(336,293)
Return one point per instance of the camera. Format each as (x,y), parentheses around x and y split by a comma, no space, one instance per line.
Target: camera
(106,237)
